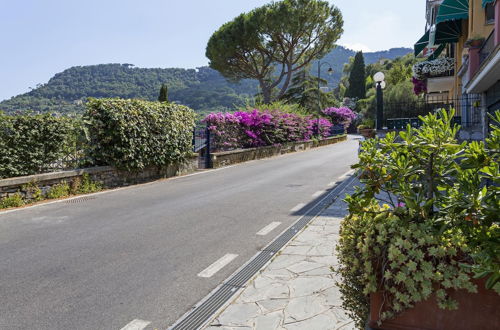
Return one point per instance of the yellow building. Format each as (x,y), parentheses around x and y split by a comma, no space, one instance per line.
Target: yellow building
(461,43)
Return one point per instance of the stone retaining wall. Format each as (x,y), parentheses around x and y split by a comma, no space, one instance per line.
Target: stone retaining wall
(108,176)
(225,158)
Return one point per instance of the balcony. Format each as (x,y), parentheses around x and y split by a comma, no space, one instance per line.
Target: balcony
(439,73)
(487,48)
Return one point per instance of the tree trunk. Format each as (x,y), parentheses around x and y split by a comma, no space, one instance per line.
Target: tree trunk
(266,92)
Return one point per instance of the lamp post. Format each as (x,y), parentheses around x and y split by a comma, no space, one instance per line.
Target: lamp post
(380,84)
(330,71)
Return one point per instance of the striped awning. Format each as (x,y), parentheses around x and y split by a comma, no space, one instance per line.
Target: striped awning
(437,52)
(448,32)
(421,43)
(451,10)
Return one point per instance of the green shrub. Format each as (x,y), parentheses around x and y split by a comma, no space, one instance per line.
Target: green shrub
(59,191)
(86,185)
(134,134)
(30,144)
(439,227)
(33,191)
(14,200)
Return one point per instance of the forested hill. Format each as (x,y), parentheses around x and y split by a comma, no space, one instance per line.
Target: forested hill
(202,89)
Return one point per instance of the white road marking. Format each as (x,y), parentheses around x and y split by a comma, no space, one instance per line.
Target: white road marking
(318,193)
(331,184)
(269,228)
(298,207)
(218,265)
(345,175)
(136,325)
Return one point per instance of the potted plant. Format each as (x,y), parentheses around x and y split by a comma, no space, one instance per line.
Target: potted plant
(474,42)
(420,248)
(366,128)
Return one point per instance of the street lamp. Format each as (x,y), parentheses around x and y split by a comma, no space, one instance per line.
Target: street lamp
(380,84)
(330,72)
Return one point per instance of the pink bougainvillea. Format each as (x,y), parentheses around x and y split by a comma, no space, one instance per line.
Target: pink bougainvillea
(340,116)
(262,127)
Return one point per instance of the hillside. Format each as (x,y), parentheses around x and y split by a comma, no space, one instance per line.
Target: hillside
(202,89)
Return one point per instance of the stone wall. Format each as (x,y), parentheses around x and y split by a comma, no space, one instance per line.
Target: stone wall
(225,158)
(108,176)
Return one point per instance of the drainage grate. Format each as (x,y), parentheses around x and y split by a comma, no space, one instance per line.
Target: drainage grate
(80,199)
(200,314)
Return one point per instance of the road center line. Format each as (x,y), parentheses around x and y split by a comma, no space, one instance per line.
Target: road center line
(298,207)
(318,193)
(218,265)
(136,325)
(269,228)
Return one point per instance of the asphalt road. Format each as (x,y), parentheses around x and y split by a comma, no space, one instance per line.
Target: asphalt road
(136,253)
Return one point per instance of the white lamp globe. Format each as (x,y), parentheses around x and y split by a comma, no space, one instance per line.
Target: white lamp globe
(379,77)
(382,85)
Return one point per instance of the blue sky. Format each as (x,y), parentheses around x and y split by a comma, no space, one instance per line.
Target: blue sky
(39,38)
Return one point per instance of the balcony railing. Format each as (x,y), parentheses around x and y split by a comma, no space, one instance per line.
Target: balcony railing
(487,48)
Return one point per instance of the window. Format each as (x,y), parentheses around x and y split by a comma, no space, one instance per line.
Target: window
(490,13)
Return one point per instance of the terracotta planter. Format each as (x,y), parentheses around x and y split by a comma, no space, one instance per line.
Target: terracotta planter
(476,311)
(367,132)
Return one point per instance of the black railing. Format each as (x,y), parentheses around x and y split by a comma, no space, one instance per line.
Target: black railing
(487,48)
(467,111)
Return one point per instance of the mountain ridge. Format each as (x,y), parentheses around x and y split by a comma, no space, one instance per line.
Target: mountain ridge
(202,89)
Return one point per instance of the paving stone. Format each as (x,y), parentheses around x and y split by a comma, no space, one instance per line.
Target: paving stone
(268,321)
(238,315)
(297,289)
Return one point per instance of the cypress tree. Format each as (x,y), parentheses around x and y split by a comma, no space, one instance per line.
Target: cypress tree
(357,87)
(163,93)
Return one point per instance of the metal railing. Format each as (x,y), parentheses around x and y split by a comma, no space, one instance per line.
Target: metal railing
(467,111)
(487,48)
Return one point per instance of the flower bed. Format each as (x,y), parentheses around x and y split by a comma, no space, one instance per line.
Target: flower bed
(262,128)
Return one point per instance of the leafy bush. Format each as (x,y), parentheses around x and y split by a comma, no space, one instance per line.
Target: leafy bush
(85,185)
(14,200)
(439,227)
(30,144)
(59,190)
(135,134)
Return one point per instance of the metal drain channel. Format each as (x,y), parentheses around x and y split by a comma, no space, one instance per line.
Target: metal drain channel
(80,199)
(201,313)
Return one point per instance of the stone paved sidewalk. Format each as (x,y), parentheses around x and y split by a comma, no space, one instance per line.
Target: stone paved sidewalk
(297,289)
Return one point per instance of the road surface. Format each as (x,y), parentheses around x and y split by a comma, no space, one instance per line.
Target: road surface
(150,252)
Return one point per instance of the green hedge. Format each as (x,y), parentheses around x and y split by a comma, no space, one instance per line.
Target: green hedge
(30,144)
(134,134)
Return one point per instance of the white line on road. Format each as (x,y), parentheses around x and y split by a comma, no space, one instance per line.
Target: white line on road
(136,325)
(298,207)
(269,228)
(318,193)
(218,265)
(345,175)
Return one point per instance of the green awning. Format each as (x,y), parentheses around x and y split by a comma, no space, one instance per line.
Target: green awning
(421,43)
(438,52)
(448,32)
(485,2)
(453,10)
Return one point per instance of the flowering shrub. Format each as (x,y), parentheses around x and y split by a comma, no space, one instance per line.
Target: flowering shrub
(262,127)
(419,86)
(340,116)
(433,68)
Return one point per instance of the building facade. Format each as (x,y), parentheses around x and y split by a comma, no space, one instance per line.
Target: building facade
(461,45)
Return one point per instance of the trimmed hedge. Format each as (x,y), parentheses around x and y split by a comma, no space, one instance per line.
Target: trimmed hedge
(134,134)
(30,144)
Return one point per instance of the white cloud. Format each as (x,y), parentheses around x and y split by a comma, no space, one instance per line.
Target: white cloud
(357,47)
